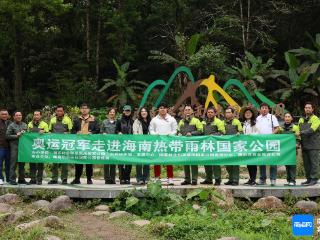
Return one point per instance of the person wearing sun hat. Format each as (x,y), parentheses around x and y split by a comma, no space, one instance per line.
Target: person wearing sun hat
(125,126)
(248,116)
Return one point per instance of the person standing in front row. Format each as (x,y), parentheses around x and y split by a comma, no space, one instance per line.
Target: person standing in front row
(233,127)
(124,126)
(309,127)
(248,116)
(267,124)
(4,146)
(108,126)
(60,124)
(14,132)
(163,124)
(84,124)
(212,125)
(290,128)
(190,126)
(141,126)
(38,126)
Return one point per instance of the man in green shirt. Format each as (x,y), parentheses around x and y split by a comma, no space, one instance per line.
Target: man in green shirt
(233,127)
(190,126)
(309,127)
(212,125)
(61,124)
(39,126)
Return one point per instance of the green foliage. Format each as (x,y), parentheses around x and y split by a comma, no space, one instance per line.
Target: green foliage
(124,89)
(253,71)
(154,201)
(245,224)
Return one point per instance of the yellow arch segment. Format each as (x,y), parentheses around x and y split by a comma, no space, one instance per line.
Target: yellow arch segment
(211,84)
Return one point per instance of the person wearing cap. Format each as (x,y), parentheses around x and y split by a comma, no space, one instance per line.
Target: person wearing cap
(212,125)
(267,124)
(248,117)
(163,124)
(233,127)
(190,126)
(309,127)
(4,145)
(39,126)
(289,128)
(125,126)
(84,124)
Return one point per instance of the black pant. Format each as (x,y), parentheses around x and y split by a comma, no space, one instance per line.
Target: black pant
(252,169)
(79,169)
(124,172)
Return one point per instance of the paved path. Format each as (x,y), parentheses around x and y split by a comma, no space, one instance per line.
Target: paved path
(101,190)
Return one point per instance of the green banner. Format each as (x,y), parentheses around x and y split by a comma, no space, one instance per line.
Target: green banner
(155,149)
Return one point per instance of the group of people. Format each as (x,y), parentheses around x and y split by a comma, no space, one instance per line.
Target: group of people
(307,133)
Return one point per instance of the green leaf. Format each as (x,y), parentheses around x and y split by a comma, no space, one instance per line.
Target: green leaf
(291,60)
(204,195)
(131,201)
(193,43)
(194,193)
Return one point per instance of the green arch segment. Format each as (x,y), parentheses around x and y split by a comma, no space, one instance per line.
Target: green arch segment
(166,85)
(237,83)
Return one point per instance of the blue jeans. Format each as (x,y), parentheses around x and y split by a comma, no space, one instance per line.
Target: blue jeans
(263,173)
(5,157)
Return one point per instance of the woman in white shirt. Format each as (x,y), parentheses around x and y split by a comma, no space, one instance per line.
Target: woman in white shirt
(248,116)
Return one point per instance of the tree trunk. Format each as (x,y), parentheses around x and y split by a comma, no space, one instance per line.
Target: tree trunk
(88,30)
(17,68)
(98,42)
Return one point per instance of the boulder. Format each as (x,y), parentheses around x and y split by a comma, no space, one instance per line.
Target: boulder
(226,195)
(306,206)
(60,203)
(100,213)
(10,198)
(41,204)
(141,223)
(269,203)
(5,208)
(53,222)
(15,217)
(52,238)
(27,226)
(102,208)
(118,214)
(196,207)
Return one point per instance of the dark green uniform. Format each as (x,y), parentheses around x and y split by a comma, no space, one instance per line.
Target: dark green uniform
(193,126)
(215,127)
(310,142)
(11,133)
(36,169)
(291,169)
(233,127)
(60,126)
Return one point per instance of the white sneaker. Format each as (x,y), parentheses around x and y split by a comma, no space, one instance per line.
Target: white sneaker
(273,182)
(170,181)
(1,182)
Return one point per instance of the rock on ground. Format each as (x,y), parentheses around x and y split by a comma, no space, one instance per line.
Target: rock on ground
(141,223)
(118,214)
(269,203)
(100,213)
(10,198)
(5,208)
(60,203)
(102,208)
(41,204)
(306,206)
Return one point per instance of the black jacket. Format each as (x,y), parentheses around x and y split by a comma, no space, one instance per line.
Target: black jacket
(124,125)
